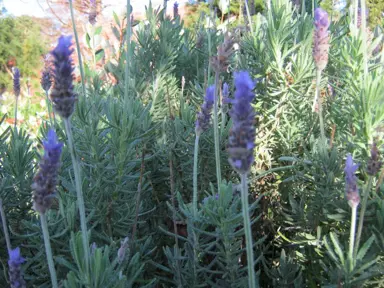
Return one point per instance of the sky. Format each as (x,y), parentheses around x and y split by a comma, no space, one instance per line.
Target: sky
(36,7)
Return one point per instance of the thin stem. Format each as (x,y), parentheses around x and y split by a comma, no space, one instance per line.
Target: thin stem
(216,133)
(80,199)
(17,102)
(362,212)
(5,227)
(302,7)
(127,55)
(356,8)
(352,237)
(248,232)
(249,16)
(77,47)
(210,56)
(313,8)
(138,197)
(49,108)
(48,250)
(364,35)
(319,104)
(195,162)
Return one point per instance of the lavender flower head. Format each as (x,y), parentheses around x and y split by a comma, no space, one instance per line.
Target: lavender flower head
(16,81)
(62,95)
(321,39)
(176,10)
(242,134)
(351,190)
(204,117)
(374,163)
(46,80)
(14,263)
(44,183)
(93,12)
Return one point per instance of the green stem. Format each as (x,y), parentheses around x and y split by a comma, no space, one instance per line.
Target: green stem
(249,16)
(248,232)
(352,237)
(364,35)
(216,133)
(127,51)
(80,199)
(49,108)
(195,160)
(48,250)
(320,105)
(362,212)
(313,8)
(356,8)
(77,47)
(17,102)
(223,111)
(5,227)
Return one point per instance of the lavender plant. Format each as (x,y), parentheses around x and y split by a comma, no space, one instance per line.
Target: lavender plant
(138,161)
(320,55)
(63,98)
(240,148)
(15,273)
(16,89)
(44,185)
(202,123)
(46,83)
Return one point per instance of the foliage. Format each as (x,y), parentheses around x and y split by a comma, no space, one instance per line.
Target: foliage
(136,157)
(21,45)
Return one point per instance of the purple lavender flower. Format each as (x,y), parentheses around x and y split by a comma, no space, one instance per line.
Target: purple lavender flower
(16,81)
(321,39)
(242,134)
(359,16)
(351,190)
(44,183)
(62,95)
(374,163)
(93,12)
(176,10)
(14,263)
(204,116)
(46,79)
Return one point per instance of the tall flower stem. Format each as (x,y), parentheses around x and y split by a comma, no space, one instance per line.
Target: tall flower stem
(80,199)
(48,250)
(127,51)
(49,108)
(5,227)
(78,48)
(356,8)
(216,133)
(320,105)
(249,16)
(362,212)
(352,237)
(248,231)
(195,162)
(17,102)
(364,35)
